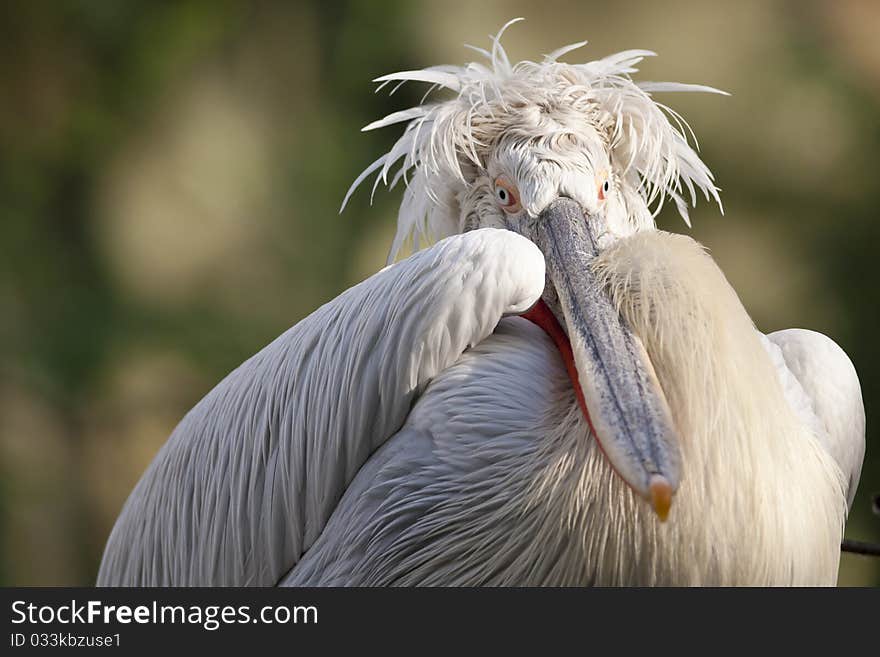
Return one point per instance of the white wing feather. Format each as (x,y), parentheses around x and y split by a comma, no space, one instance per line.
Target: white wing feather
(470,440)
(249,478)
(822,386)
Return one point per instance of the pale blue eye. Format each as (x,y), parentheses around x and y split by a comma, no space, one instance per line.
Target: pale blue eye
(506,196)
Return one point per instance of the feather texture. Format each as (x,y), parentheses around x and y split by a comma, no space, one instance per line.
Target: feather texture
(495,478)
(652,155)
(246,482)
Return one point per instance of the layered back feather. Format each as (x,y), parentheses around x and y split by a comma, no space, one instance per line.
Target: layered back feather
(495,479)
(444,140)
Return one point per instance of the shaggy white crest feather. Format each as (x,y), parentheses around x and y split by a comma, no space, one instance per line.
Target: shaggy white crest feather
(647,140)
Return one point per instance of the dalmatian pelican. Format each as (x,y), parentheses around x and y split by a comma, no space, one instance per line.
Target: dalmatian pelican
(548,391)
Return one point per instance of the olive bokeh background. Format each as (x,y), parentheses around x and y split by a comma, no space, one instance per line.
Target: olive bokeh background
(171,174)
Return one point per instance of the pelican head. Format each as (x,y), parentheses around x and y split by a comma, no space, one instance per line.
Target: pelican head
(575,157)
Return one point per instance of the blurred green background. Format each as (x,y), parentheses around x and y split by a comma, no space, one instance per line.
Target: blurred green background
(170,175)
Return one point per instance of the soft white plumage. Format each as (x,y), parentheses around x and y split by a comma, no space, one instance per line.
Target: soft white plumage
(412,431)
(443,141)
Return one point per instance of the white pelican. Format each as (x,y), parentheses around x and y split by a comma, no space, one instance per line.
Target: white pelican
(415,431)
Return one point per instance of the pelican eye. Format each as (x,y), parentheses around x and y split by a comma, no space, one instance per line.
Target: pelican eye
(604,188)
(507,196)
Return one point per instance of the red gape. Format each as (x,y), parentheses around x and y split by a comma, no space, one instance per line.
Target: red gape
(542,316)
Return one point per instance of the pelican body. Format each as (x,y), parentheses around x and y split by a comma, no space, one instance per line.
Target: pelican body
(553,393)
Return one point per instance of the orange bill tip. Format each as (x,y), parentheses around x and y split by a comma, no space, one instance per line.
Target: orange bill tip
(661,496)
